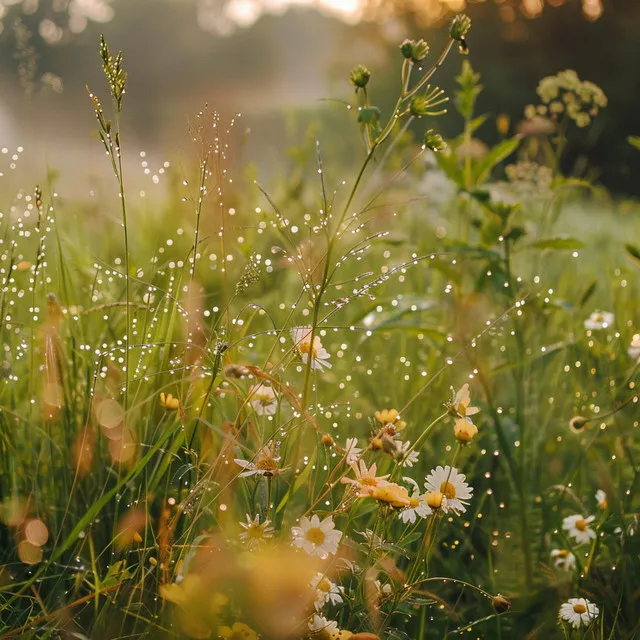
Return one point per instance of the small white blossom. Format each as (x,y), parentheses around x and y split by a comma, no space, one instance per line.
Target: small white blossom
(353,452)
(578,612)
(301,337)
(599,320)
(563,559)
(315,537)
(577,527)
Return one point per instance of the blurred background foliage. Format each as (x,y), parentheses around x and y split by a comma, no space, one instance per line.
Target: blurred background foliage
(278,61)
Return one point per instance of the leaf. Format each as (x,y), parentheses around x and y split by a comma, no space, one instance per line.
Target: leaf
(634,141)
(501,151)
(589,291)
(633,252)
(449,165)
(559,243)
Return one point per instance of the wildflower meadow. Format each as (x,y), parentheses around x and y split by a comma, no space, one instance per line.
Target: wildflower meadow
(388,399)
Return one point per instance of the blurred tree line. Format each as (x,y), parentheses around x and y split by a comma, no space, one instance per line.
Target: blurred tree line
(170,57)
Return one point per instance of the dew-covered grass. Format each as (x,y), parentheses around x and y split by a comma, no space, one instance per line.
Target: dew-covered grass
(395,400)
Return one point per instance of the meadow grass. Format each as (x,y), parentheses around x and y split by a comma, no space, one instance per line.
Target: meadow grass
(246,413)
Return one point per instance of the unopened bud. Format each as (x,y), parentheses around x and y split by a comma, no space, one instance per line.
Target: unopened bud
(464,430)
(369,115)
(326,440)
(500,603)
(360,76)
(413,50)
(460,27)
(433,141)
(434,499)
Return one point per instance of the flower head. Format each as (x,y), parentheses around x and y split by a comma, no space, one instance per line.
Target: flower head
(320,625)
(390,493)
(326,591)
(365,478)
(417,507)
(169,402)
(464,430)
(267,462)
(352,451)
(405,456)
(263,399)
(301,337)
(601,499)
(360,77)
(414,51)
(634,348)
(459,405)
(577,527)
(390,419)
(316,537)
(239,631)
(255,532)
(578,612)
(451,484)
(563,559)
(599,320)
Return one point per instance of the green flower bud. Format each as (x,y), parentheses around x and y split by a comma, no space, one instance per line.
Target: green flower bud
(433,141)
(419,106)
(369,115)
(460,27)
(413,50)
(360,77)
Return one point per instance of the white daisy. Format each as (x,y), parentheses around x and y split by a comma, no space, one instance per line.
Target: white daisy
(365,478)
(418,506)
(634,347)
(601,499)
(326,591)
(263,399)
(599,320)
(315,537)
(352,451)
(320,623)
(578,528)
(447,481)
(405,457)
(301,337)
(255,532)
(563,559)
(267,463)
(578,612)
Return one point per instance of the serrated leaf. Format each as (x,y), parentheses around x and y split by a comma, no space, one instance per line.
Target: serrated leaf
(501,151)
(559,243)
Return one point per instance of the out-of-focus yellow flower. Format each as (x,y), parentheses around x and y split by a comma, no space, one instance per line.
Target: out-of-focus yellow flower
(239,631)
(169,402)
(390,419)
(392,494)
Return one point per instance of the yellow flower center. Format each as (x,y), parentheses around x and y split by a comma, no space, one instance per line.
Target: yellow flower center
(413,502)
(266,464)
(315,535)
(579,608)
(563,553)
(255,531)
(305,347)
(264,398)
(448,490)
(324,585)
(369,481)
(581,525)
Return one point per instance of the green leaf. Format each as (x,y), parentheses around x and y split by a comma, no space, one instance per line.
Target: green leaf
(501,151)
(634,141)
(559,243)
(633,252)
(589,291)
(449,165)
